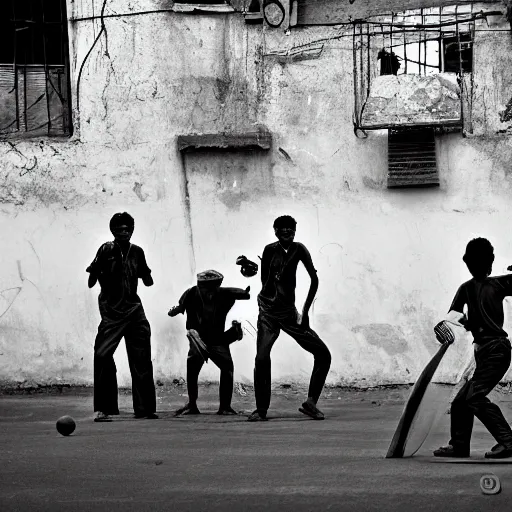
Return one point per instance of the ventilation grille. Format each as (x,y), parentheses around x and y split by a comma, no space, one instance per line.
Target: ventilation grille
(412,158)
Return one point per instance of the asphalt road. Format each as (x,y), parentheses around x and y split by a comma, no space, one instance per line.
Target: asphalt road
(213,463)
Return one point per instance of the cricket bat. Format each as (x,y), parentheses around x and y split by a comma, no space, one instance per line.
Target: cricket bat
(397,446)
(416,421)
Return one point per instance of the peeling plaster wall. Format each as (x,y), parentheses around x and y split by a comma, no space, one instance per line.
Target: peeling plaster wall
(412,99)
(389,262)
(492,97)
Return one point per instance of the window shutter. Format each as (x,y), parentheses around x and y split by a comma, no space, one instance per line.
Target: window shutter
(41,107)
(412,158)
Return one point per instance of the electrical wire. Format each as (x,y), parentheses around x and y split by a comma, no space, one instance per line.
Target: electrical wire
(102,18)
(138,13)
(122,15)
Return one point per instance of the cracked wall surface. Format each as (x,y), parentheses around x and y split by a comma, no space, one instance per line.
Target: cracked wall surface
(412,99)
(493,78)
(383,282)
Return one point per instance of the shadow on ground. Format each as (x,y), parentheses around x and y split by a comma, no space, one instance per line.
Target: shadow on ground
(215,463)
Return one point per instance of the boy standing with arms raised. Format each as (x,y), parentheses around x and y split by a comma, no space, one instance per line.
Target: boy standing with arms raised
(277,311)
(483,296)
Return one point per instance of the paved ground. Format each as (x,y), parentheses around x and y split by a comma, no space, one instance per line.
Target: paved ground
(212,463)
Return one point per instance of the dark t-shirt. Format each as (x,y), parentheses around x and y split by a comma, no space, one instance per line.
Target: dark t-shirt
(278,276)
(118,276)
(209,320)
(484,299)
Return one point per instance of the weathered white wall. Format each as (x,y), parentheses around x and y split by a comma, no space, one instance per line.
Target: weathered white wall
(389,261)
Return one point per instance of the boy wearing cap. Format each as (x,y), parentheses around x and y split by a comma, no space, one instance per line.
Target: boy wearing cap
(207,305)
(118,266)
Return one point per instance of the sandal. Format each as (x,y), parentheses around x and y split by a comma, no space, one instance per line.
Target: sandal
(101,417)
(150,416)
(227,412)
(257,416)
(187,410)
(312,411)
(450,451)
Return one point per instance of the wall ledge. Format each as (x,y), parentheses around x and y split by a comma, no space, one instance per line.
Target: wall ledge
(253,17)
(242,141)
(188,8)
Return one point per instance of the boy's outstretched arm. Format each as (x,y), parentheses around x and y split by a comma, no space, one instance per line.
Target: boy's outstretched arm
(239,293)
(176,310)
(180,308)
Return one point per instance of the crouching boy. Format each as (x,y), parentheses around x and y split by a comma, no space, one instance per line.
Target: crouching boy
(207,305)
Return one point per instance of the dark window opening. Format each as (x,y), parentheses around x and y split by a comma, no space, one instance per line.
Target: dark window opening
(34,68)
(449,54)
(458,53)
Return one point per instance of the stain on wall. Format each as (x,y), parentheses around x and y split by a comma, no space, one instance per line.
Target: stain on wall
(388,262)
(389,337)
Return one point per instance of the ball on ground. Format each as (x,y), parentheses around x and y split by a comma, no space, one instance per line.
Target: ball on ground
(66,425)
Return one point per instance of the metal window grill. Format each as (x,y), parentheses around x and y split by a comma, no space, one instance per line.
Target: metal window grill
(34,69)
(422,42)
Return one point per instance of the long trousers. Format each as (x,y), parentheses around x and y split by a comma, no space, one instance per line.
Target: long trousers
(221,356)
(269,329)
(137,334)
(492,362)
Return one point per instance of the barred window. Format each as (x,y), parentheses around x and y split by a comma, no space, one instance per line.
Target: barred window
(34,69)
(451,53)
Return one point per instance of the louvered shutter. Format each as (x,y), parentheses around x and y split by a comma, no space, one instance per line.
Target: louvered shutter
(41,104)
(412,158)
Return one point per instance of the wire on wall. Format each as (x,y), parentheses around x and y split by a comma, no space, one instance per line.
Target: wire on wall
(102,19)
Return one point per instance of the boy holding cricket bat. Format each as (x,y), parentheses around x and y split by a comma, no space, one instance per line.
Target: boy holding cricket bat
(483,296)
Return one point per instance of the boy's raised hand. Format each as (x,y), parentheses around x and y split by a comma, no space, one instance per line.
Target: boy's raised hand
(249,268)
(443,333)
(176,310)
